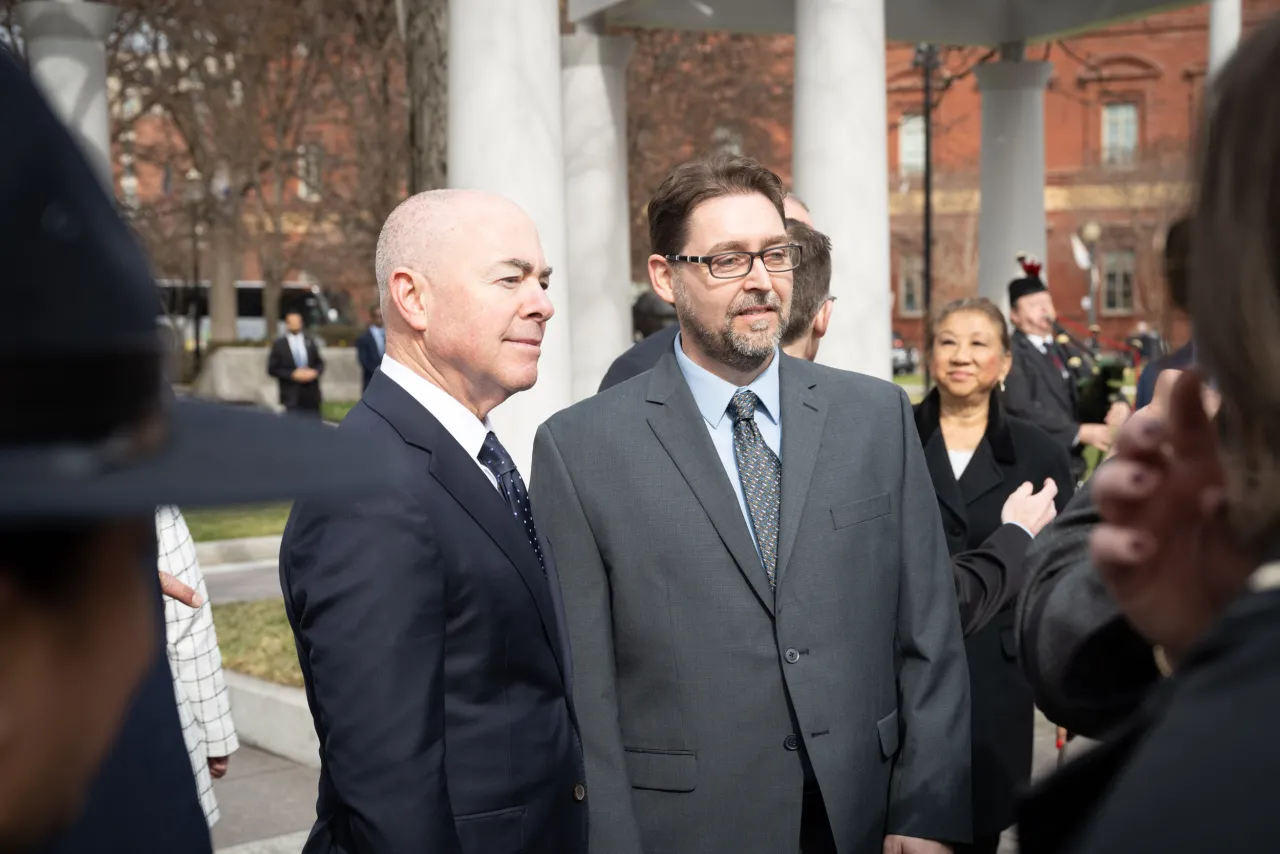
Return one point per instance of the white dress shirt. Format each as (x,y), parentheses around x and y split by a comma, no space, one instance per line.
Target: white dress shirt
(461,423)
(298,346)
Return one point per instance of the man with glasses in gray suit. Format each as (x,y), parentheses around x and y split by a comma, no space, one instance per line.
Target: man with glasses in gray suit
(767,645)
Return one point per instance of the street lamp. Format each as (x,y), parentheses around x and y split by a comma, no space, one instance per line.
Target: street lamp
(1091,233)
(193,193)
(926,59)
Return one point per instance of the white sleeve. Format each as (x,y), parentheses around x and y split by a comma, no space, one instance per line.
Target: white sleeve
(191,638)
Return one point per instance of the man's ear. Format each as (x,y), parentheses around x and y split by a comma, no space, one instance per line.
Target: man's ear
(662,278)
(409,295)
(822,319)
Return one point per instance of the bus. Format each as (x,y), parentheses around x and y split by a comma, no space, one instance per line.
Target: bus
(181,305)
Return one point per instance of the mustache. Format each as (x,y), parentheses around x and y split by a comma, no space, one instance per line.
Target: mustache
(755,299)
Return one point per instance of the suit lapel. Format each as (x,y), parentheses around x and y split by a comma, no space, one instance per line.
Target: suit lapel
(1042,364)
(463,479)
(982,475)
(681,430)
(802,417)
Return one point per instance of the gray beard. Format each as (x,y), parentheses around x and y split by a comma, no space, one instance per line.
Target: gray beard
(726,345)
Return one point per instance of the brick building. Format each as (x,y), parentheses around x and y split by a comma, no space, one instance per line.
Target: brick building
(1119,117)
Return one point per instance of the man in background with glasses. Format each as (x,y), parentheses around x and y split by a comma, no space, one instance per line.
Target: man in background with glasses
(766,639)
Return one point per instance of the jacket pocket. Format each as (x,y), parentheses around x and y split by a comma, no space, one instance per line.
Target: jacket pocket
(493,832)
(887,727)
(662,770)
(860,511)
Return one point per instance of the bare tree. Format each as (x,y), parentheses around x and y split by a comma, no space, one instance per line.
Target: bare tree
(425,27)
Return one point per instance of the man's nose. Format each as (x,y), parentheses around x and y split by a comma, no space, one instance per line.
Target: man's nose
(758,278)
(538,303)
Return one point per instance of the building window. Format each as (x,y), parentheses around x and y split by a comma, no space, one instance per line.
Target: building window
(1117,282)
(309,178)
(1119,134)
(911,144)
(910,286)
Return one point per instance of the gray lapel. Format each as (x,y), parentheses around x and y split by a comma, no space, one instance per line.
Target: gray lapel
(679,426)
(803,415)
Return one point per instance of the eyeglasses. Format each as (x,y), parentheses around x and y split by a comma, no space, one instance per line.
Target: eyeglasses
(732,265)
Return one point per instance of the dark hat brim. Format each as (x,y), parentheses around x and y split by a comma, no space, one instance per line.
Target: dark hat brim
(213,455)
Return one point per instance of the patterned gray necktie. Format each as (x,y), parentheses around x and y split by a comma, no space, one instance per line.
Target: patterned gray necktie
(760,471)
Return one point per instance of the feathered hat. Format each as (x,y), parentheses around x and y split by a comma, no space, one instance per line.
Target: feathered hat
(1030,281)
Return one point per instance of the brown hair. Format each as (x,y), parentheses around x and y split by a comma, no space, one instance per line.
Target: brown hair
(812,279)
(1233,278)
(1176,246)
(690,184)
(977,305)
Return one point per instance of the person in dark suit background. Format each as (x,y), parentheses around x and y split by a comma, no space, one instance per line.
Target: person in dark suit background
(92,757)
(1042,385)
(371,346)
(646,353)
(296,363)
(985,466)
(431,614)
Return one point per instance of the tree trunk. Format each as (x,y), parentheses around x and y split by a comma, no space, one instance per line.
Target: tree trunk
(223,308)
(427,67)
(271,288)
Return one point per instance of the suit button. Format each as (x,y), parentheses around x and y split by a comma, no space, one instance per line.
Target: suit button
(791,742)
(579,793)
(791,656)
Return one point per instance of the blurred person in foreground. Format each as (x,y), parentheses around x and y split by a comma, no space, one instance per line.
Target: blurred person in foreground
(1189,544)
(646,353)
(999,480)
(1175,277)
(83,677)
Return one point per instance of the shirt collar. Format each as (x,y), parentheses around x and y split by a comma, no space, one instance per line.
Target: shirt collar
(462,424)
(713,394)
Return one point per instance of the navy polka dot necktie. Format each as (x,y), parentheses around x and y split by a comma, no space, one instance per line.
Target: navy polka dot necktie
(495,458)
(760,472)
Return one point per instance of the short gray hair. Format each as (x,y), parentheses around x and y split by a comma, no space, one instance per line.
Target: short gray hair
(406,234)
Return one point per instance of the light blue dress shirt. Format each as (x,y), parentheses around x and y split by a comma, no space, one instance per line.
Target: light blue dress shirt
(380,338)
(712,395)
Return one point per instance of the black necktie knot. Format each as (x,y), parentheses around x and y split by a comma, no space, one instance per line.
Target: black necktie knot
(495,458)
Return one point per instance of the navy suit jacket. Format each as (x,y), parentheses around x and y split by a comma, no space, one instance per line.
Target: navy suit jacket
(421,617)
(144,797)
(643,356)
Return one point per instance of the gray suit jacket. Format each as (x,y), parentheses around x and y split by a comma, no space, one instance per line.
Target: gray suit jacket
(1088,668)
(695,685)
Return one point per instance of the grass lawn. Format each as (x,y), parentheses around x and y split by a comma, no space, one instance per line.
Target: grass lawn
(226,523)
(255,639)
(335,410)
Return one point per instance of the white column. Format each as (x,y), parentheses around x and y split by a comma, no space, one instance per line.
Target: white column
(505,136)
(840,164)
(1224,32)
(66,49)
(1012,218)
(598,218)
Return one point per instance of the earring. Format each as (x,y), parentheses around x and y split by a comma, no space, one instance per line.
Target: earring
(1001,386)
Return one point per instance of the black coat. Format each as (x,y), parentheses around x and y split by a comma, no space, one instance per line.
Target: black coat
(1036,391)
(642,356)
(422,618)
(368,355)
(281,365)
(144,796)
(1012,452)
(1193,770)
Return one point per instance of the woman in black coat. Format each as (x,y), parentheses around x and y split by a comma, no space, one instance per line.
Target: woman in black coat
(978,456)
